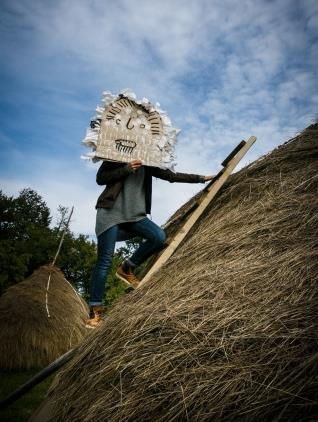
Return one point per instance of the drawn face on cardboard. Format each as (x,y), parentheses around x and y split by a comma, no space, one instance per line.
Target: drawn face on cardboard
(129,129)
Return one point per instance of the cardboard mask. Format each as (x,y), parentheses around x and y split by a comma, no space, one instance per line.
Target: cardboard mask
(125,129)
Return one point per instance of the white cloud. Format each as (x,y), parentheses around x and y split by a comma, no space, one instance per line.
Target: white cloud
(224,70)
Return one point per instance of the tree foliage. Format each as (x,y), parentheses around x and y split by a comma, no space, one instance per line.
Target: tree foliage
(28,241)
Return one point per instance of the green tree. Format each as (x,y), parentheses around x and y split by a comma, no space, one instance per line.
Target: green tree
(76,259)
(26,239)
(114,287)
(63,213)
(129,247)
(27,242)
(30,210)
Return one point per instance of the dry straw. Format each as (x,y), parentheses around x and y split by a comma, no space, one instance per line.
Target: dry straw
(227,329)
(28,338)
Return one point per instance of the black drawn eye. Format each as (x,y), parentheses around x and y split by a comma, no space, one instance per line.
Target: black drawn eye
(118,121)
(142,126)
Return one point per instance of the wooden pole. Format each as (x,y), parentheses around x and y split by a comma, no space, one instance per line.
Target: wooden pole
(215,187)
(63,235)
(53,262)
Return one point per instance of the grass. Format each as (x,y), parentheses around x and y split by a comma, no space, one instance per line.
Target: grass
(25,406)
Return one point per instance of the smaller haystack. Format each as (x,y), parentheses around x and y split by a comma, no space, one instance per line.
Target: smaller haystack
(28,337)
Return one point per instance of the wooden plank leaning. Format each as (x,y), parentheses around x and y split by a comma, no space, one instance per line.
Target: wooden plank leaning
(211,192)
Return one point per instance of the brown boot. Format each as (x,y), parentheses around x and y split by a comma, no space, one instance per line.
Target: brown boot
(127,276)
(96,314)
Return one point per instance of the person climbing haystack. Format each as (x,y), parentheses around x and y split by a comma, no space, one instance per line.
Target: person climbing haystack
(136,141)
(122,210)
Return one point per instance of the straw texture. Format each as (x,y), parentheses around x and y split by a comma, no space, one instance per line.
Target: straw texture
(227,329)
(28,338)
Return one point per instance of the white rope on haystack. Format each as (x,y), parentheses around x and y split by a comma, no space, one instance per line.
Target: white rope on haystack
(54,260)
(46,297)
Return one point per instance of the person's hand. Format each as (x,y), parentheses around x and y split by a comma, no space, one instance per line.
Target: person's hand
(135,164)
(207,178)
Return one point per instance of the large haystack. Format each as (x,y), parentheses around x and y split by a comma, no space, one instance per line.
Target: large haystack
(28,338)
(228,329)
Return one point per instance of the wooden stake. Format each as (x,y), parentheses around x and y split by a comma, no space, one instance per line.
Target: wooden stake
(62,238)
(215,187)
(53,263)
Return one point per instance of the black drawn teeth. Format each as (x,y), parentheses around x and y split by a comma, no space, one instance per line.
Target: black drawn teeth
(123,145)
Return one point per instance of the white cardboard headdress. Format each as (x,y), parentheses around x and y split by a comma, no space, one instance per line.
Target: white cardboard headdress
(126,129)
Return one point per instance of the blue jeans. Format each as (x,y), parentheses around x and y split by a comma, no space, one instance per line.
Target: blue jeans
(145,228)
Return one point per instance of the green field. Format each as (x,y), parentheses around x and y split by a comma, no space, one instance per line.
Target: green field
(24,407)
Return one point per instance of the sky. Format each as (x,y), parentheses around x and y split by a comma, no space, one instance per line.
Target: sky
(222,69)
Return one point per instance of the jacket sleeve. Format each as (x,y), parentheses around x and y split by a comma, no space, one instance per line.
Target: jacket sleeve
(110,172)
(176,177)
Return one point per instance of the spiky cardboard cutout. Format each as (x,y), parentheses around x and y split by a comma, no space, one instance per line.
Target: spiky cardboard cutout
(126,129)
